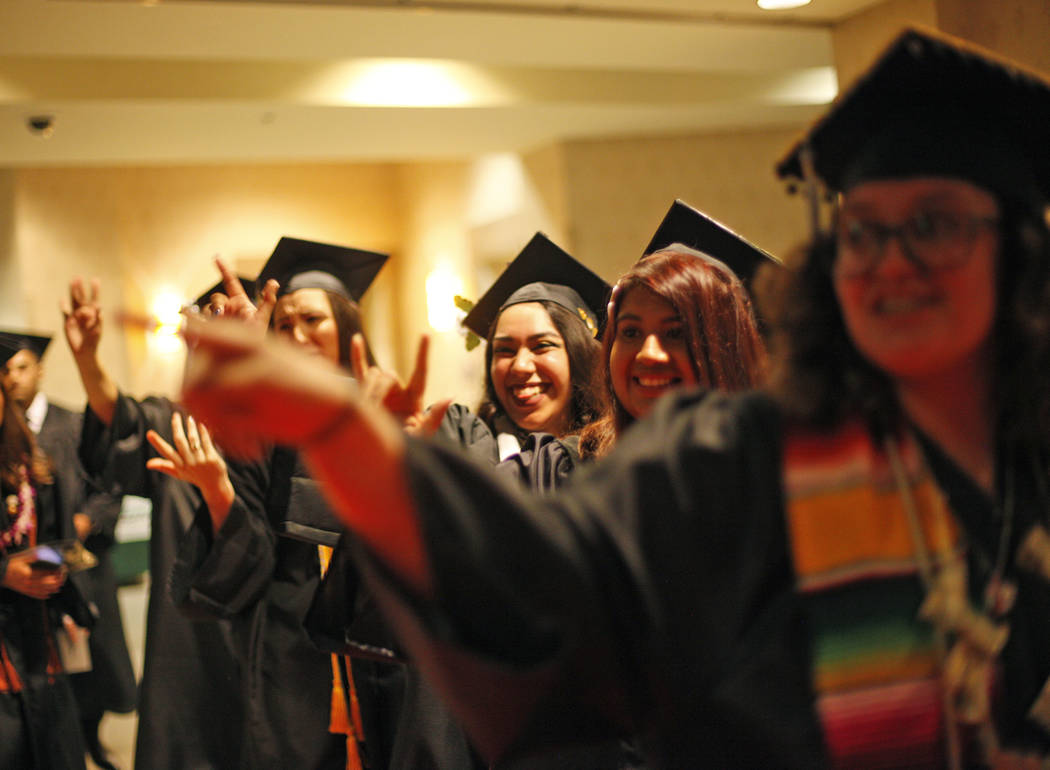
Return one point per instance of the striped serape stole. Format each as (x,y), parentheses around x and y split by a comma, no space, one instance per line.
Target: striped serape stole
(876,664)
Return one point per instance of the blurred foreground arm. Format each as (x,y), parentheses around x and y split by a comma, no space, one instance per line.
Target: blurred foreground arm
(253,390)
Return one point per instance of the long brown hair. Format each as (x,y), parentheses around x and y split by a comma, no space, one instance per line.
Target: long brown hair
(18,448)
(726,349)
(347,316)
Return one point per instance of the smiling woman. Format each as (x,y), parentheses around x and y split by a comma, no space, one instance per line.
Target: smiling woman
(679,317)
(540,319)
(530,370)
(855,572)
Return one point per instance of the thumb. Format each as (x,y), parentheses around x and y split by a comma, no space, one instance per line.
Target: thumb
(433,417)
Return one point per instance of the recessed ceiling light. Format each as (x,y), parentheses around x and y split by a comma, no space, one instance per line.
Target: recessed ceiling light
(780,5)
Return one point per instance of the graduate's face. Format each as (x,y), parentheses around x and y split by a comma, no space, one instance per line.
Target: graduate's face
(305,318)
(649,354)
(22,375)
(909,320)
(530,369)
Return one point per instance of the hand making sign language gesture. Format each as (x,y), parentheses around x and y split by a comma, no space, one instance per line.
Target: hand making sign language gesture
(236,303)
(403,401)
(194,459)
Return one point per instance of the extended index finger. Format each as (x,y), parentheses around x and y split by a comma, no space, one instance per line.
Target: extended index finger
(358,357)
(230,281)
(417,383)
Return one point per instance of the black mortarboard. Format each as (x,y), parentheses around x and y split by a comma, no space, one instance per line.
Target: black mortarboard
(685,225)
(934,105)
(297,264)
(12,342)
(543,271)
(205,298)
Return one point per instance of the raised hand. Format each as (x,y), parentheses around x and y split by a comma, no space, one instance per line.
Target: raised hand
(253,388)
(194,459)
(83,317)
(264,389)
(404,402)
(236,303)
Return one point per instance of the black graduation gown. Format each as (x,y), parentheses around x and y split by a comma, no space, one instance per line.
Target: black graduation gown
(406,725)
(190,694)
(39,726)
(110,684)
(542,466)
(656,599)
(264,583)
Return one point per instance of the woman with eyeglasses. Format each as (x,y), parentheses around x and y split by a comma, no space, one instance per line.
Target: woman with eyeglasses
(854,571)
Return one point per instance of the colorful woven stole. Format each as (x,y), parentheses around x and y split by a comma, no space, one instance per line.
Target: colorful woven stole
(876,665)
(345,716)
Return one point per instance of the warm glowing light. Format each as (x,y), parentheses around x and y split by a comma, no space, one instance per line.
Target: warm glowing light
(442,286)
(405,83)
(165,308)
(815,85)
(780,5)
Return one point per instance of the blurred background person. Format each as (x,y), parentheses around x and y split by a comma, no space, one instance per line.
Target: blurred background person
(189,705)
(39,719)
(110,684)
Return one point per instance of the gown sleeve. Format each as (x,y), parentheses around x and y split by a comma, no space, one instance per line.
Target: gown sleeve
(222,574)
(654,595)
(462,428)
(115,455)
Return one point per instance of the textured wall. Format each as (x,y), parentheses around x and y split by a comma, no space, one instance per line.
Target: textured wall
(144,229)
(1019,29)
(859,39)
(619,190)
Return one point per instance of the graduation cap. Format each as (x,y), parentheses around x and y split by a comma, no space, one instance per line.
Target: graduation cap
(205,298)
(543,271)
(685,225)
(12,342)
(934,105)
(297,264)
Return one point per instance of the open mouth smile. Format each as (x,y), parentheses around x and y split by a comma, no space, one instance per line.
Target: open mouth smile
(528,393)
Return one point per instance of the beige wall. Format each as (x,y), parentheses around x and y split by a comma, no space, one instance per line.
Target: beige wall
(11,310)
(619,190)
(142,230)
(1018,29)
(856,41)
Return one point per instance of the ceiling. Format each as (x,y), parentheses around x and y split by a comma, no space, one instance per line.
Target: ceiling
(197,81)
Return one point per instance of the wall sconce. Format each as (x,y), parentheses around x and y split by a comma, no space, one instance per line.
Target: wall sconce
(442,285)
(166,309)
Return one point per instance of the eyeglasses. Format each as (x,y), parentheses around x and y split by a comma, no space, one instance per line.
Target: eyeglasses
(932,240)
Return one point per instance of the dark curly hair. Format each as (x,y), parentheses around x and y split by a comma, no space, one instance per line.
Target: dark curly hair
(821,378)
(725,347)
(587,401)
